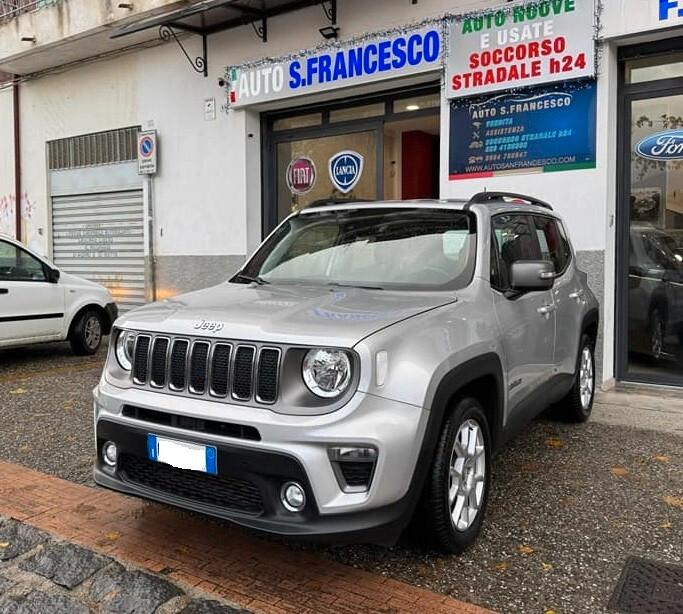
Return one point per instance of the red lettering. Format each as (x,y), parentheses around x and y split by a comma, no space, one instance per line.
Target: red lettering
(456,82)
(474,61)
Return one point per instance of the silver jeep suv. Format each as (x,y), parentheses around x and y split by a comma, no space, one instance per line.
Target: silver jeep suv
(361,368)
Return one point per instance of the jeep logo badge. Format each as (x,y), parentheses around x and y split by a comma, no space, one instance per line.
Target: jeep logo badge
(346,168)
(662,146)
(209,326)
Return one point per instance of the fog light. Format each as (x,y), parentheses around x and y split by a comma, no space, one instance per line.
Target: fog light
(110,453)
(293,496)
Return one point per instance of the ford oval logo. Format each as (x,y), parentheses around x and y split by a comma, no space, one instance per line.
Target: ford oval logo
(667,145)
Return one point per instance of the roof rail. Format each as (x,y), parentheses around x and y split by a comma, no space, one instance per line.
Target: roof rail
(483,198)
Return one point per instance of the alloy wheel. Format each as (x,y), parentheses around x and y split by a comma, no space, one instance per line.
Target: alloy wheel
(92,332)
(657,338)
(586,378)
(467,478)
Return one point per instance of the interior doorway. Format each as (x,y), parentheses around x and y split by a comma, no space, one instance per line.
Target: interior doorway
(370,148)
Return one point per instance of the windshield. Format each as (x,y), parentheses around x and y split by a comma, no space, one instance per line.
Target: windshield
(378,248)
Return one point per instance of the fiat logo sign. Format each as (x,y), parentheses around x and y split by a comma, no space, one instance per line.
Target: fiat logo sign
(301,175)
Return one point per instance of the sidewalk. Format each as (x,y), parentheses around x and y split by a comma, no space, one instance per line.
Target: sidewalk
(198,554)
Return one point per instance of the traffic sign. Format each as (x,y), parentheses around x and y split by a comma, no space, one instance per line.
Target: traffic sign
(147,152)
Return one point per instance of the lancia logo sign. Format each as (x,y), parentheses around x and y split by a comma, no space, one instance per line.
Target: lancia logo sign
(346,168)
(662,146)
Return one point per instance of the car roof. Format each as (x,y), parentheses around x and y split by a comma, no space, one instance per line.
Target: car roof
(498,205)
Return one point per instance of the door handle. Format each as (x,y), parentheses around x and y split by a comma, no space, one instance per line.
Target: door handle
(4,291)
(546,310)
(577,295)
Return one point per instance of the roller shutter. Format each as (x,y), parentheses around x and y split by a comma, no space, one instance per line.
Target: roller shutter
(101,237)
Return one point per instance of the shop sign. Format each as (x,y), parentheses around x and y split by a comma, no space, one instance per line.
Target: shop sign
(542,130)
(396,55)
(662,146)
(346,168)
(147,152)
(301,175)
(526,45)
(669,9)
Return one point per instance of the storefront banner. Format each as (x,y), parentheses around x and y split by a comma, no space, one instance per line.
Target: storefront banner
(399,55)
(543,130)
(527,45)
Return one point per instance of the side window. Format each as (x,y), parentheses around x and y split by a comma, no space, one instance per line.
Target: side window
(18,265)
(553,244)
(514,241)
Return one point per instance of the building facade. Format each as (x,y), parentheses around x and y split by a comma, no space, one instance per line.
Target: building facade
(253,112)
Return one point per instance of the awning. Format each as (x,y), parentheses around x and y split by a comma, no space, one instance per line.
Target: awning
(211,16)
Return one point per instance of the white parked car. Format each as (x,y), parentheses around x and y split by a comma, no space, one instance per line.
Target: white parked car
(40,303)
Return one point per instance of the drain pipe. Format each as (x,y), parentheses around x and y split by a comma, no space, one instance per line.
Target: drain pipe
(17,158)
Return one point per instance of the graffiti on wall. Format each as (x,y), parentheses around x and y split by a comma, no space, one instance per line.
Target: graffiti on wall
(29,232)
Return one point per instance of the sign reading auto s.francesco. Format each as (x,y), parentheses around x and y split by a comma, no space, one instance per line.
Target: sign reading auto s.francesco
(525,45)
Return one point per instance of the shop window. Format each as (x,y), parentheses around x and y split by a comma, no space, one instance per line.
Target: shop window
(376,109)
(655,68)
(298,121)
(417,103)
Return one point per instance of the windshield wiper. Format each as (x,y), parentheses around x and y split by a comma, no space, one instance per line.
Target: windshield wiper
(334,283)
(254,280)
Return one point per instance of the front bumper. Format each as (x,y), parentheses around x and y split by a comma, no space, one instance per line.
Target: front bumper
(291,448)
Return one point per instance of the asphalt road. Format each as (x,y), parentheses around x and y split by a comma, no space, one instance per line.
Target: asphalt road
(569,503)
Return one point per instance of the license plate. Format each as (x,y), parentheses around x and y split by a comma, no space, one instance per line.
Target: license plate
(182,454)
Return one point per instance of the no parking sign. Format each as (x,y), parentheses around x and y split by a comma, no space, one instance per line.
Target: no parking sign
(147,152)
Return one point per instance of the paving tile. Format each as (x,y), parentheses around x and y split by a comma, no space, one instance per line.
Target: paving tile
(38,602)
(17,538)
(120,591)
(65,564)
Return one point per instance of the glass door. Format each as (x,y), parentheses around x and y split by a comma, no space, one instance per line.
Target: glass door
(333,167)
(651,252)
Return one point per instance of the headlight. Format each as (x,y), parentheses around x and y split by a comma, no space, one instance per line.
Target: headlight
(327,373)
(125,344)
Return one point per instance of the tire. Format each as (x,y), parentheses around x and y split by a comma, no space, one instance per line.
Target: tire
(442,497)
(578,404)
(86,334)
(656,334)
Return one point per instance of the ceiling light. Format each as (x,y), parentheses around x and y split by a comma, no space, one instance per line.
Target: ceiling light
(412,107)
(329,32)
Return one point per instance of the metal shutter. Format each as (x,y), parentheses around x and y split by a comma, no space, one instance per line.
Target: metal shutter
(101,237)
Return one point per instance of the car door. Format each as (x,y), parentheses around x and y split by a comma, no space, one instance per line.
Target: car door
(526,320)
(568,293)
(31,308)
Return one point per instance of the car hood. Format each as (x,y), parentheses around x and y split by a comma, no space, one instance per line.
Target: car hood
(298,314)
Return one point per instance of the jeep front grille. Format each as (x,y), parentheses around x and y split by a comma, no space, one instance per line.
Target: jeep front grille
(203,367)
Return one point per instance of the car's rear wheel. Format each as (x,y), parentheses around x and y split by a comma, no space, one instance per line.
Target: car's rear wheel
(578,404)
(457,491)
(86,334)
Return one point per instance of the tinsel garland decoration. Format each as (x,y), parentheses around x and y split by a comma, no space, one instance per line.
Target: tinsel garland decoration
(443,22)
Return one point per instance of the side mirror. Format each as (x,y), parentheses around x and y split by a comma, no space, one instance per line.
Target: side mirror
(530,275)
(53,275)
